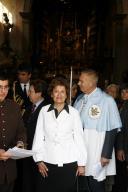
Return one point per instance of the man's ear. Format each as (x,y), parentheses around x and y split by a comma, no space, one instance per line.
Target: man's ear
(40,94)
(30,75)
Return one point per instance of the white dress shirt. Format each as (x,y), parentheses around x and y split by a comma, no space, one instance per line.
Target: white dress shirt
(27,86)
(59,140)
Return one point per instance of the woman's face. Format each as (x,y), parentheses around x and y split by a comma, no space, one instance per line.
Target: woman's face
(113,91)
(59,94)
(124,94)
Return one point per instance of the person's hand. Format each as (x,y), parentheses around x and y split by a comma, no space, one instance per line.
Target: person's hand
(104,161)
(43,169)
(80,171)
(4,155)
(121,155)
(20,144)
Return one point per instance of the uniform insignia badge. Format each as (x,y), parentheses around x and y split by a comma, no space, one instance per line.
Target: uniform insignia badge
(94,111)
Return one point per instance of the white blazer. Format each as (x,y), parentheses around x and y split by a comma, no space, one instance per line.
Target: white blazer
(59,140)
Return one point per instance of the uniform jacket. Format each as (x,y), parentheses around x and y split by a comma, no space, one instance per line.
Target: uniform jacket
(11,131)
(17,89)
(99,111)
(101,119)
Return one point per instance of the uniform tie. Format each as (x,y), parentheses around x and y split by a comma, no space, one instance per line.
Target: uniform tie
(33,108)
(82,110)
(25,91)
(83,103)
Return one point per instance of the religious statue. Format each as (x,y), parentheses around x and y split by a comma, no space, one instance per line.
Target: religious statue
(7,27)
(6,34)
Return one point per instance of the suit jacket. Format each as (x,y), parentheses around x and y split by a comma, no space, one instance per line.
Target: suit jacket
(30,120)
(11,130)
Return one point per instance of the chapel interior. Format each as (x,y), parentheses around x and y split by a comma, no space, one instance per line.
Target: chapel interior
(57,36)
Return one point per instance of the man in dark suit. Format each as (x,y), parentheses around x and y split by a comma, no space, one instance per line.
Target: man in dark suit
(12,133)
(31,176)
(21,87)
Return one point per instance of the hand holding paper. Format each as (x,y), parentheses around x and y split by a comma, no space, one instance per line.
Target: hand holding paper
(4,155)
(97,169)
(18,153)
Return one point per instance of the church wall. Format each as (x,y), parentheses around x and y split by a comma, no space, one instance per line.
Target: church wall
(121,41)
(19,36)
(116,41)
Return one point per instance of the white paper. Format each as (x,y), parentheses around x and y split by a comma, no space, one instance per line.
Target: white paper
(97,169)
(18,153)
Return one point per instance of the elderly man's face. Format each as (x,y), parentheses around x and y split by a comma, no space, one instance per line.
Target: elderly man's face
(86,83)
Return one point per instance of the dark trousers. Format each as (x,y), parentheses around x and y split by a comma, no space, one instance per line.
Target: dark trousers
(18,181)
(60,179)
(95,186)
(6,187)
(121,178)
(32,179)
(82,184)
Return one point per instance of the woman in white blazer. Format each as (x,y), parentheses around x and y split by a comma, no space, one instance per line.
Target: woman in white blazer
(58,141)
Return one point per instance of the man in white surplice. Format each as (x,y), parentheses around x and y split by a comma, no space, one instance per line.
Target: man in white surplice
(101,121)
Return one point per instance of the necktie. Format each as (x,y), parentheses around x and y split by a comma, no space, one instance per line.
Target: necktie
(83,103)
(33,108)
(25,91)
(82,111)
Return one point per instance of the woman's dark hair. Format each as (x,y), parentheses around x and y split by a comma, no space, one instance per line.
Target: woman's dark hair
(123,86)
(59,81)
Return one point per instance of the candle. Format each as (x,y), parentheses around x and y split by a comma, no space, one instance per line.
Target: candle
(71,86)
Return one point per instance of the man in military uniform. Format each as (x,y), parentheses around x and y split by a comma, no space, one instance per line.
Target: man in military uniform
(21,87)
